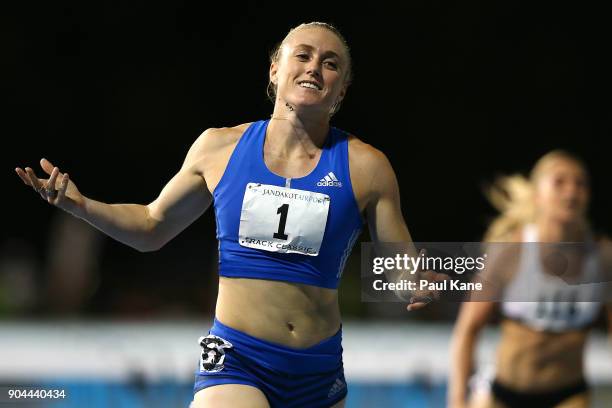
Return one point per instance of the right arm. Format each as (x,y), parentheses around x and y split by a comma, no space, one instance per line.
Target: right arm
(143,227)
(473,316)
(500,268)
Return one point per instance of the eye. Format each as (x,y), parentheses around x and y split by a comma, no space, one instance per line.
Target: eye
(558,181)
(331,64)
(581,182)
(302,56)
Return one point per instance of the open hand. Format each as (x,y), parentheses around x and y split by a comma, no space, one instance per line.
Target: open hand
(421,298)
(57,190)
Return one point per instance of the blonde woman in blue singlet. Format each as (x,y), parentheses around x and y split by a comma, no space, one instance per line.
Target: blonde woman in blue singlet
(290,195)
(540,356)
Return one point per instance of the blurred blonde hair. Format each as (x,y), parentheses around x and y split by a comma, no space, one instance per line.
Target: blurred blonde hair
(513,197)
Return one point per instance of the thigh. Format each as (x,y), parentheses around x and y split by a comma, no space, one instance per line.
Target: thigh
(576,401)
(230,396)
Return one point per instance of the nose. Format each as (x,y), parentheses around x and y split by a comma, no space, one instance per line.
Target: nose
(572,190)
(314,68)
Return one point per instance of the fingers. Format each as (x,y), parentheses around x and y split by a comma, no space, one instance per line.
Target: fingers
(421,299)
(46,166)
(423,252)
(53,172)
(63,186)
(34,181)
(426,297)
(416,306)
(428,275)
(432,276)
(46,188)
(23,176)
(50,186)
(51,183)
(418,302)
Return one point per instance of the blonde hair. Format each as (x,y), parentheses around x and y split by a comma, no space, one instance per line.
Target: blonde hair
(513,197)
(276,53)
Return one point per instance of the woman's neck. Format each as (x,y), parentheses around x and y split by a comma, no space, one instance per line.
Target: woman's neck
(550,230)
(291,133)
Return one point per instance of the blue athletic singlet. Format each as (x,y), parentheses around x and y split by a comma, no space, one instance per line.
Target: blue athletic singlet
(297,230)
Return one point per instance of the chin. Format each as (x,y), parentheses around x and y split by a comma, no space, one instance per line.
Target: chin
(569,216)
(308,102)
(303,106)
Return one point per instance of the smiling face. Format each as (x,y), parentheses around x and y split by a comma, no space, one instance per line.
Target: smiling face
(562,190)
(311,72)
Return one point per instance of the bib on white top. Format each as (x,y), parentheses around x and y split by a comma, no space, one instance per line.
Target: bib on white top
(551,303)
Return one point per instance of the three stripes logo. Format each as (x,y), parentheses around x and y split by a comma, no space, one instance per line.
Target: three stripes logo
(338,386)
(330,180)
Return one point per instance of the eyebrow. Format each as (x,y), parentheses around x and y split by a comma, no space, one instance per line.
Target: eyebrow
(325,54)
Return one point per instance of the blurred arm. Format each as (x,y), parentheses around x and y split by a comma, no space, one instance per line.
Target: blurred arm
(609,314)
(472,318)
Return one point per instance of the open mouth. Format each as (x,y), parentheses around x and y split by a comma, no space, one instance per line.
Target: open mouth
(310,85)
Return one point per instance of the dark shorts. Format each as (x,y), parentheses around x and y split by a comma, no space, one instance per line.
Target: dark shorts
(549,399)
(288,377)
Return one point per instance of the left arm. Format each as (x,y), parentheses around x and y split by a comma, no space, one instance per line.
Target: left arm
(376,183)
(385,219)
(605,248)
(609,313)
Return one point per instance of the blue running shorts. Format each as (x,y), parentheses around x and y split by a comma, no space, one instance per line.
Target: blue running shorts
(312,377)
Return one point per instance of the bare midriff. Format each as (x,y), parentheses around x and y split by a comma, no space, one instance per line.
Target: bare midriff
(530,360)
(291,314)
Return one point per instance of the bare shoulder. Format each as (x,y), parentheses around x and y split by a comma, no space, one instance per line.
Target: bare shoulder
(371,172)
(220,138)
(365,153)
(210,153)
(604,244)
(502,262)
(213,142)
(367,162)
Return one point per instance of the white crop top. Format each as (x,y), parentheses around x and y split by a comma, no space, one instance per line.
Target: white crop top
(546,302)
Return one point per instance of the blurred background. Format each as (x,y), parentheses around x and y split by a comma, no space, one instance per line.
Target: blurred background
(114,94)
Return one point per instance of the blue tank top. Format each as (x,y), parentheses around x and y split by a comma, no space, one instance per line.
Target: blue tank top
(330,177)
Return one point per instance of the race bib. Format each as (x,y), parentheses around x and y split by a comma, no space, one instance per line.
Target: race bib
(280,219)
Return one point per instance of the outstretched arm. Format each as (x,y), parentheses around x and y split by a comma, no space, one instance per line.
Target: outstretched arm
(144,227)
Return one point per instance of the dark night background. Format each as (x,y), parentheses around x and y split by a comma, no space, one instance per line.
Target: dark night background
(453,93)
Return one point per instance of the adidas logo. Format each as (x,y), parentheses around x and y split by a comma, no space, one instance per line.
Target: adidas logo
(329,181)
(338,386)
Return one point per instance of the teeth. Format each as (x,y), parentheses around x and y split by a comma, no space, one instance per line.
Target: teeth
(309,85)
